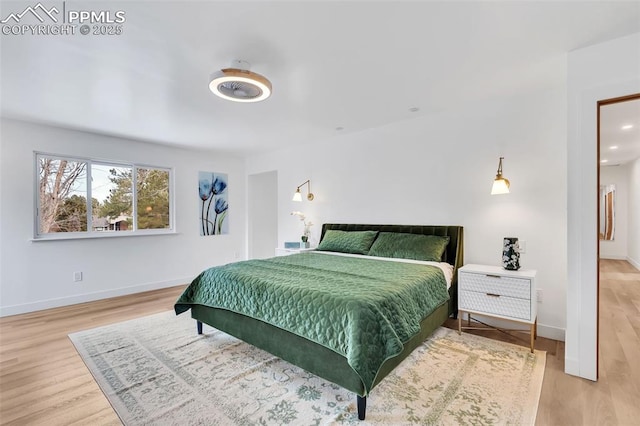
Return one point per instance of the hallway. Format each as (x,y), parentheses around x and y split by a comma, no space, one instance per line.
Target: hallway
(619,374)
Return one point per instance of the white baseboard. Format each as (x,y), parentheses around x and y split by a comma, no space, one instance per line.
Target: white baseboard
(88,297)
(547,331)
(635,263)
(550,332)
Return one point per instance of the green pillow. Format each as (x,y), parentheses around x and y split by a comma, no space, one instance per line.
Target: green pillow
(357,242)
(409,246)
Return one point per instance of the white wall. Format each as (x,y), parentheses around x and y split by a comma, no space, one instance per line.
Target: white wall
(262,214)
(38,275)
(633,248)
(604,71)
(618,176)
(438,170)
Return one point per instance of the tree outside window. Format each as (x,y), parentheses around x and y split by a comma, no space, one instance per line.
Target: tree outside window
(64,185)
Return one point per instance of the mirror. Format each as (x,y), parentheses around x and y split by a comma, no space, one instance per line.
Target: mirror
(607,212)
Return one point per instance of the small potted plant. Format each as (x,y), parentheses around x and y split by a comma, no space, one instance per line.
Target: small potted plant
(307,228)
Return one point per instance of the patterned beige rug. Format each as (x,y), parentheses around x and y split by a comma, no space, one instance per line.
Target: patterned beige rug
(157,370)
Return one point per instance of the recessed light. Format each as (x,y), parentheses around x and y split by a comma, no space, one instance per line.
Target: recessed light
(627,127)
(339,128)
(414,109)
(613,147)
(604,161)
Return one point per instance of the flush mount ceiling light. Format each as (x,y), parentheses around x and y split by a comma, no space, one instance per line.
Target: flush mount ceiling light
(238,84)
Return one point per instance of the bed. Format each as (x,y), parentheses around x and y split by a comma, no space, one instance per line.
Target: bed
(349,312)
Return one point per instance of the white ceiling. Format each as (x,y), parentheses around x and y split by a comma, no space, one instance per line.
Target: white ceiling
(619,132)
(354,65)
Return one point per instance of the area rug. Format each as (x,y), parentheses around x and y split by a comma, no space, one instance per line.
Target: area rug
(156,370)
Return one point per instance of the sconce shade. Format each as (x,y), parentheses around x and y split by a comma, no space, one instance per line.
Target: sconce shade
(500,184)
(298,195)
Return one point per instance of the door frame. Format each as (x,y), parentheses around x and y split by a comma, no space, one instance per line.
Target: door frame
(601,103)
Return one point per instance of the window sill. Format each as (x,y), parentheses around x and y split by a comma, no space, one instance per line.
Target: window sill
(61,236)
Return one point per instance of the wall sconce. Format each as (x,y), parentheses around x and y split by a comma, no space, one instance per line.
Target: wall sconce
(298,196)
(500,184)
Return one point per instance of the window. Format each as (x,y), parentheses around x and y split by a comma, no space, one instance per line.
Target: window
(90,198)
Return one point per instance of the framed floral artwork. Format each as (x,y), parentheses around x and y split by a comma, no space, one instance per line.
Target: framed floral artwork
(213,190)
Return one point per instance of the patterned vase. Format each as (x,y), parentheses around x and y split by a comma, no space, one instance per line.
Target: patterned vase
(510,254)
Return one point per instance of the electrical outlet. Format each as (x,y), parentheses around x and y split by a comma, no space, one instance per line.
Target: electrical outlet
(77,276)
(539,295)
(522,245)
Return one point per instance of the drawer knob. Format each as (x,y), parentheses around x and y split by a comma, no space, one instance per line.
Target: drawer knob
(493,276)
(493,295)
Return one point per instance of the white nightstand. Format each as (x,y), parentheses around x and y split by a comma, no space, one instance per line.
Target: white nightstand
(496,292)
(287,251)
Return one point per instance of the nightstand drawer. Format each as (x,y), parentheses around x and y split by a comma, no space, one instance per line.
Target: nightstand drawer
(493,303)
(504,286)
(492,291)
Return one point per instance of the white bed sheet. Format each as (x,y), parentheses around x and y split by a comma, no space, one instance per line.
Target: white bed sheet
(447,269)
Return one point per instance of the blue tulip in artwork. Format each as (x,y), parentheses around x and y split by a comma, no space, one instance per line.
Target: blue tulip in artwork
(221,206)
(218,186)
(204,187)
(212,190)
(220,209)
(208,222)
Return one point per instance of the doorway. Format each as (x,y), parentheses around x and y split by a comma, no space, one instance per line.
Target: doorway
(262,215)
(618,192)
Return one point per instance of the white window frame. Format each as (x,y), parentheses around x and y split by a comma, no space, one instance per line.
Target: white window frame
(90,233)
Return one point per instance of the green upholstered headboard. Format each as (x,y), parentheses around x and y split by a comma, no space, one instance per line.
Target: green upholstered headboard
(454,254)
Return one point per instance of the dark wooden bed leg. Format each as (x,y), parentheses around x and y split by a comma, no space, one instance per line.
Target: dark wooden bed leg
(199,325)
(362,406)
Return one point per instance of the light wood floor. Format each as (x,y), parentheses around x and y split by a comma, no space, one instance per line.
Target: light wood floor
(44,381)
(615,398)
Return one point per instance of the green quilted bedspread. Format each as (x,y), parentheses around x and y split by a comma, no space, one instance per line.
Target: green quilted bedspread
(363,309)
